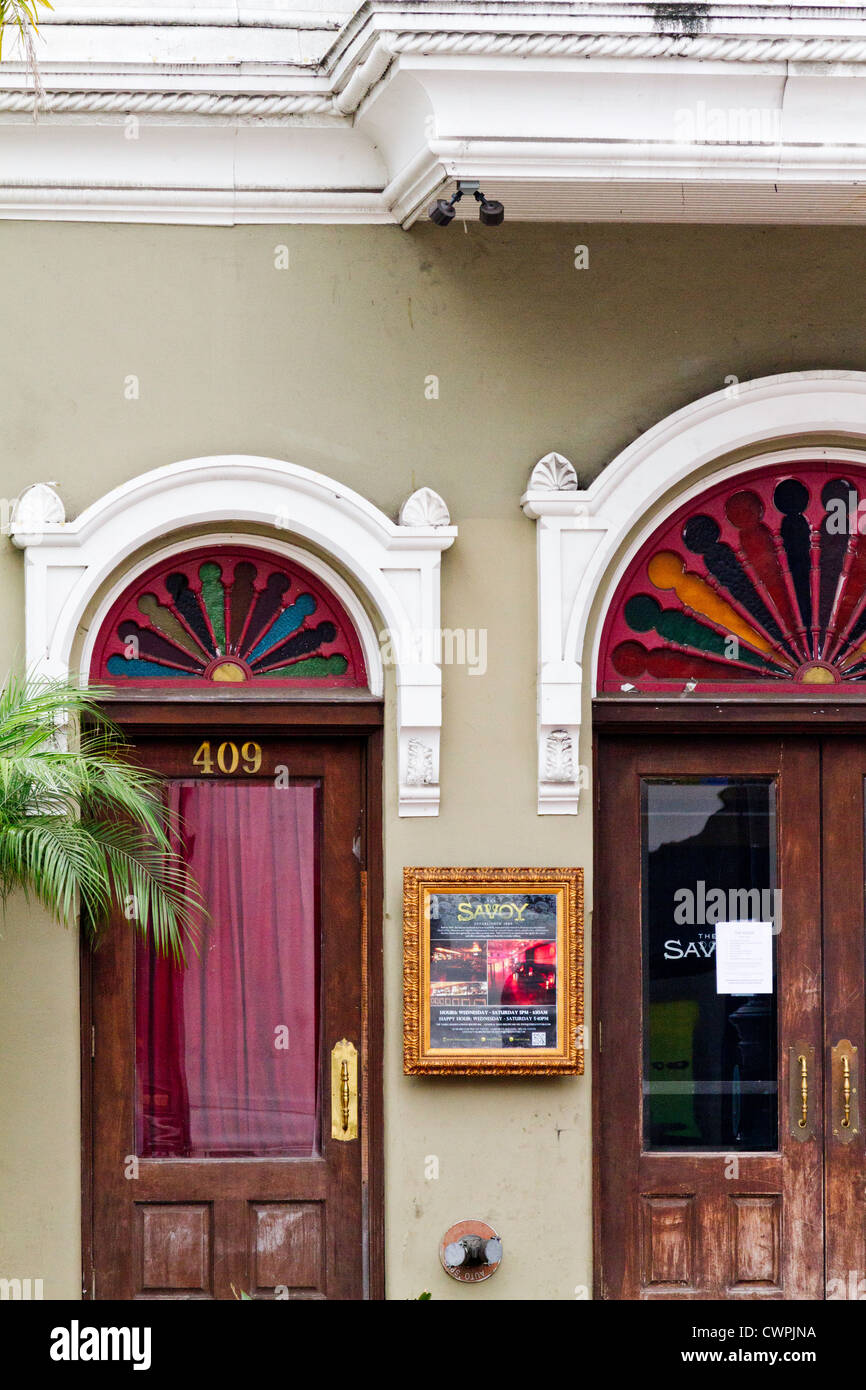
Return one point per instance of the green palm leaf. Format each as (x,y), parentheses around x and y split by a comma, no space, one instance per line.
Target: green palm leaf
(81,827)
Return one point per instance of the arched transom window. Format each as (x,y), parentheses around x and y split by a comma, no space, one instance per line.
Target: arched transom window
(228,615)
(759,584)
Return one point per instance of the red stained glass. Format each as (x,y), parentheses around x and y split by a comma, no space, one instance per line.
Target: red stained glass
(759,584)
(228,616)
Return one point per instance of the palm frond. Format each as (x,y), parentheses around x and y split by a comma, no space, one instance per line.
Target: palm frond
(23,16)
(82,825)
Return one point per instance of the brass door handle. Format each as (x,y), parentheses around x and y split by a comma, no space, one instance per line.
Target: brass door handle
(801,1105)
(345,1095)
(845,1102)
(344,1091)
(804,1091)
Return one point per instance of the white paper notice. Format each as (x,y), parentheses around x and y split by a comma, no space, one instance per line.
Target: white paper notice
(744,958)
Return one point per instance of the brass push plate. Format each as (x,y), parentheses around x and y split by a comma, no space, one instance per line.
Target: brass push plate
(802,1082)
(845,1081)
(344,1090)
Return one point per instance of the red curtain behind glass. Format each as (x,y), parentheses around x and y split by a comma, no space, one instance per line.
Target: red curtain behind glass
(213,1077)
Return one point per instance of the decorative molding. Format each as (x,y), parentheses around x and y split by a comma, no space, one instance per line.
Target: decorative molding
(559,757)
(69,565)
(419,764)
(553,473)
(719,48)
(580,533)
(424,508)
(378,118)
(38,506)
(147,103)
(433,43)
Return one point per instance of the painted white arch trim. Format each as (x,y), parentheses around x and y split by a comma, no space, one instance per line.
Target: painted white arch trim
(397,566)
(580,530)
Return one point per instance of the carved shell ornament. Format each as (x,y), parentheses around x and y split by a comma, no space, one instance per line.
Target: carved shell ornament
(759,584)
(38,506)
(553,473)
(424,508)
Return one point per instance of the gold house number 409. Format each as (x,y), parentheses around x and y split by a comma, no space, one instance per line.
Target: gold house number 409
(228,758)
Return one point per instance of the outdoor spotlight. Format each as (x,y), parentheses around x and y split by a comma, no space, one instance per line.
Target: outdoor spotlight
(491,213)
(442,212)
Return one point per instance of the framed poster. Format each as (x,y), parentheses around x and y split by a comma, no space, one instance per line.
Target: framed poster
(492,971)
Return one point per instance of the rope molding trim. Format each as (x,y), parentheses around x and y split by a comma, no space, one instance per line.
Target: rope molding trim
(721,47)
(175,103)
(430,43)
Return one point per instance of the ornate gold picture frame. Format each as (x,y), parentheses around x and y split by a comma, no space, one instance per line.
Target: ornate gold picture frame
(492,971)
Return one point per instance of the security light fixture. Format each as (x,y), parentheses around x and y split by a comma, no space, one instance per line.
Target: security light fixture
(491,213)
(442,212)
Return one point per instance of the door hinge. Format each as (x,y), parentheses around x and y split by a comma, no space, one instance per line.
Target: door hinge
(359,844)
(600,1048)
(92,1040)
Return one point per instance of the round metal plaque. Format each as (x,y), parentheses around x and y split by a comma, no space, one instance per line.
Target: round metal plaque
(470,1251)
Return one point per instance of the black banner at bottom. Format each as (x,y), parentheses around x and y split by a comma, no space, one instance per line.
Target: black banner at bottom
(155,1338)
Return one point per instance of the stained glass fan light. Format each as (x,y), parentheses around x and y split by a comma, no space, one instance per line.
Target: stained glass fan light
(759,584)
(228,616)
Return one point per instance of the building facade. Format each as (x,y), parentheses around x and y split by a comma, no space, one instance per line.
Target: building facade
(567,513)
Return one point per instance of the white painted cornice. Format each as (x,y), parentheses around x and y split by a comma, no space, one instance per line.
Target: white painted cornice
(242,113)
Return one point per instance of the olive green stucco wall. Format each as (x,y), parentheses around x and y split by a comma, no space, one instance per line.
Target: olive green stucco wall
(327,364)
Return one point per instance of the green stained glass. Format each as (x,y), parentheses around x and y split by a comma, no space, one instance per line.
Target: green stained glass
(210,575)
(643,613)
(312,667)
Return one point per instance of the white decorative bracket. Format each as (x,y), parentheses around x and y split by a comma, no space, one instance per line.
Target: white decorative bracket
(565,540)
(580,532)
(396,565)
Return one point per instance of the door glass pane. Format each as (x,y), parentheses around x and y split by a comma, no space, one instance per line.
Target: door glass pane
(708,856)
(227,1045)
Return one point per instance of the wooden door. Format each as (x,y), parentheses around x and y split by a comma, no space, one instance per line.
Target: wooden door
(214,1166)
(709,1181)
(844,857)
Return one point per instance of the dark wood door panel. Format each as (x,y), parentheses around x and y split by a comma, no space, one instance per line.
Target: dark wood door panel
(845,980)
(701,1224)
(209,1227)
(182,1179)
(693,1244)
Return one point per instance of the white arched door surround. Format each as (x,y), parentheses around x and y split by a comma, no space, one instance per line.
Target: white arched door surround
(395,564)
(580,531)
